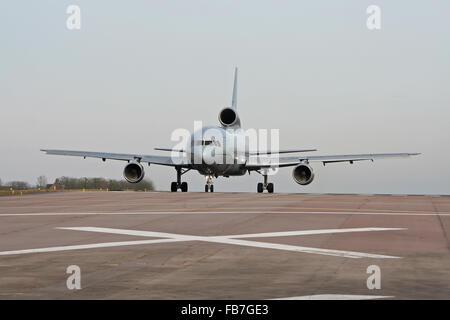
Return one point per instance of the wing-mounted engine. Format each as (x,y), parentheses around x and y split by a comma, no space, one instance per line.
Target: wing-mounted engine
(303,174)
(229,118)
(133,172)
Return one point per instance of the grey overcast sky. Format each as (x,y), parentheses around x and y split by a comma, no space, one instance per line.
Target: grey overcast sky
(139,69)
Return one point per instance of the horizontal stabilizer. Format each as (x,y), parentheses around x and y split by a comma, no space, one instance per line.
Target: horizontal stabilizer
(170,150)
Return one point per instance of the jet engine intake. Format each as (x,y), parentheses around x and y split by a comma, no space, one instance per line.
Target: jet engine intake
(303,174)
(133,172)
(228,117)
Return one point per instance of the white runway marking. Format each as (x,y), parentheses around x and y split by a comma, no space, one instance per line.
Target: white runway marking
(220,212)
(336,297)
(231,239)
(309,232)
(132,232)
(251,235)
(86,246)
(286,247)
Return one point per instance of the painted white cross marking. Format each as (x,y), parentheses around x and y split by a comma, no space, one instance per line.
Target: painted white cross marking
(228,239)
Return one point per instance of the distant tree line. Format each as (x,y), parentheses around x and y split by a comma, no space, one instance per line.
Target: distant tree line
(79,183)
(101,183)
(16,185)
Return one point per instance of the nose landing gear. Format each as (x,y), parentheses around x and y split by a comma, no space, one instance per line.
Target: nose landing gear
(209,184)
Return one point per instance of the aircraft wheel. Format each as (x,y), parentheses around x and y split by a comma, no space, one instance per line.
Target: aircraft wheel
(270,187)
(206,188)
(173,187)
(260,187)
(184,187)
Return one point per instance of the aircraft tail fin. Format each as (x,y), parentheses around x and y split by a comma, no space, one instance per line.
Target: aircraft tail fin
(234,99)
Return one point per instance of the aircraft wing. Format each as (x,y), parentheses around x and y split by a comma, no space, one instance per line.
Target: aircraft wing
(257,153)
(258,163)
(161,160)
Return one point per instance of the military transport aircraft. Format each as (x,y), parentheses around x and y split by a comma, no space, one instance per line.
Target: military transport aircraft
(213,152)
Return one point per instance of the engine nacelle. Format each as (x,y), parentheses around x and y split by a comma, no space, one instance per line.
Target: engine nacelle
(133,172)
(303,174)
(228,117)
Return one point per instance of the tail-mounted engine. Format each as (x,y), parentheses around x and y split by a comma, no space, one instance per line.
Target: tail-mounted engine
(228,117)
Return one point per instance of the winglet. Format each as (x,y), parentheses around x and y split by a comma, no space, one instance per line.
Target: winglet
(234,99)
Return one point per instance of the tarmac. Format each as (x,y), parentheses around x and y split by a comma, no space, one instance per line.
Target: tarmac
(162,245)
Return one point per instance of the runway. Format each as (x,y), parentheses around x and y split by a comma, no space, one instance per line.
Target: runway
(162,245)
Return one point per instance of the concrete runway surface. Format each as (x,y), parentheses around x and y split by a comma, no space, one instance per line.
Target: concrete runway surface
(161,245)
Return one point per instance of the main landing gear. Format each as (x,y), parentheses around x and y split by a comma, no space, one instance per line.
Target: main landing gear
(183,186)
(209,184)
(265,186)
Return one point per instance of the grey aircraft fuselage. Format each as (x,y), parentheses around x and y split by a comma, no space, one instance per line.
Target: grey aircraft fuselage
(221,157)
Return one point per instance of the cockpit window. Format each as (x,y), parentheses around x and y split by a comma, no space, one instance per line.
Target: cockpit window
(208,142)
